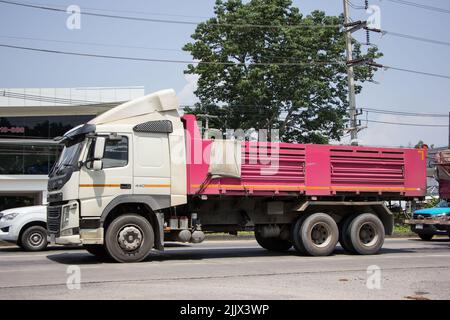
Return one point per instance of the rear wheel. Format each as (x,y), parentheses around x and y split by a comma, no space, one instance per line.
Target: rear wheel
(344,235)
(316,235)
(425,236)
(34,238)
(366,234)
(129,238)
(272,244)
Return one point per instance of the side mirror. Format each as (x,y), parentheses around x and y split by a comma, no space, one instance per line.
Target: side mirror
(99,148)
(97,165)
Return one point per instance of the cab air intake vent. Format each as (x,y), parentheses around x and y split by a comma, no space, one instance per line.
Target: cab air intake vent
(159,126)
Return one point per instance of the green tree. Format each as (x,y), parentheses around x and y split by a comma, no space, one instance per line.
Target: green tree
(267,66)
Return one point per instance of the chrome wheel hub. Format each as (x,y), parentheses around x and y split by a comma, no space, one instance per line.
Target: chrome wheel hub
(130,238)
(36,239)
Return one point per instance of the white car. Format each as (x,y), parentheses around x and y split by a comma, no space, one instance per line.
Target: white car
(26,227)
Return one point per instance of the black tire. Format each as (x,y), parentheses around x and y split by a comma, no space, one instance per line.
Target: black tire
(97,250)
(139,242)
(344,234)
(425,236)
(366,234)
(34,238)
(295,231)
(316,235)
(272,244)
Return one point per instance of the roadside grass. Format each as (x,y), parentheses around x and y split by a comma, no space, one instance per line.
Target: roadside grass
(400,230)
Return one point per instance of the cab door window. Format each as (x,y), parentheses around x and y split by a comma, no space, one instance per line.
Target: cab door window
(115,155)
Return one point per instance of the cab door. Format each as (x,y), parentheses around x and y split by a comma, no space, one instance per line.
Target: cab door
(152,164)
(97,188)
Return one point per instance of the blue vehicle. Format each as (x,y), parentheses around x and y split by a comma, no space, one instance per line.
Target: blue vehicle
(431,221)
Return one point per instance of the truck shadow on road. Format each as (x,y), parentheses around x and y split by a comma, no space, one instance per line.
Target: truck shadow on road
(186,252)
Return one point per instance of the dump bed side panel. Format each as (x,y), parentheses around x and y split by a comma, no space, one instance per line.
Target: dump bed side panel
(314,170)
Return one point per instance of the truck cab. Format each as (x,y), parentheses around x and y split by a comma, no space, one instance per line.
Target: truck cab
(120,162)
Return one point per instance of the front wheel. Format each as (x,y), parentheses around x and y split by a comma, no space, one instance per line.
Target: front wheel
(129,238)
(34,238)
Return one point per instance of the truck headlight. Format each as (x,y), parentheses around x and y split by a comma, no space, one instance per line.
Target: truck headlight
(10,216)
(65,216)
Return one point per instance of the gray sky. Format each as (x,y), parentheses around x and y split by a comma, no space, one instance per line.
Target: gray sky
(396,90)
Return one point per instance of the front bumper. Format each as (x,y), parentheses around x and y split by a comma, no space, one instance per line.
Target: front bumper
(66,240)
(8,232)
(429,226)
(8,237)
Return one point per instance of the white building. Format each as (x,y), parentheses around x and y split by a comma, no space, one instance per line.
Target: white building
(29,120)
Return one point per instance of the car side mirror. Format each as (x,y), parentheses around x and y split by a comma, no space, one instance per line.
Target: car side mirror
(99,148)
(97,165)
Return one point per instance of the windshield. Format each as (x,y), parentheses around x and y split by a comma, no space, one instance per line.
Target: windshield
(442,204)
(67,159)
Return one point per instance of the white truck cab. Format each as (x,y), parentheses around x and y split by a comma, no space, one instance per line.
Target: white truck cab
(130,159)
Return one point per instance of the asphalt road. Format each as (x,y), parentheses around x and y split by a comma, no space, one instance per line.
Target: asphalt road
(408,269)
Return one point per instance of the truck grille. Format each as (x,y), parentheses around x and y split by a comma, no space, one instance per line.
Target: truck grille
(54,219)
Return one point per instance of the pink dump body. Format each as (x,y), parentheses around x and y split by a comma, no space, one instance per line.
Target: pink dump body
(309,169)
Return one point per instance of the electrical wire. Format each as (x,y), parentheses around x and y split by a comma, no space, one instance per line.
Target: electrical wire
(409,124)
(411,37)
(421,6)
(306,63)
(406,114)
(180,22)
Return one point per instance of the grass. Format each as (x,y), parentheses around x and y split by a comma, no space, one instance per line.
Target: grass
(402,230)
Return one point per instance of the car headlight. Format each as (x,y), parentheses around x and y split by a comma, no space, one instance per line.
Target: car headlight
(443,216)
(10,216)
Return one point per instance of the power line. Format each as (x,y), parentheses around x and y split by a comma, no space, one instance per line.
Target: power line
(91,43)
(411,37)
(409,124)
(306,63)
(406,114)
(181,22)
(316,63)
(421,6)
(430,74)
(32,97)
(42,7)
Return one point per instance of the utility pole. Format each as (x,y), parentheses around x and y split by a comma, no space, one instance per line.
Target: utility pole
(206,117)
(449,130)
(351,79)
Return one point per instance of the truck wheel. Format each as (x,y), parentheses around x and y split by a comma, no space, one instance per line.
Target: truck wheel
(129,238)
(97,250)
(34,238)
(316,235)
(273,244)
(425,236)
(366,234)
(344,234)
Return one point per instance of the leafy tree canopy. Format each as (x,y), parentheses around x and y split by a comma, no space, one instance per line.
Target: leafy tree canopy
(268,66)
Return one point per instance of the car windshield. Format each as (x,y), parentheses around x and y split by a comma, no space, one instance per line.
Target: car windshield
(66,160)
(442,204)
